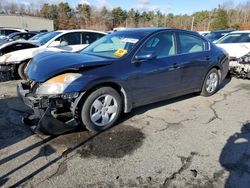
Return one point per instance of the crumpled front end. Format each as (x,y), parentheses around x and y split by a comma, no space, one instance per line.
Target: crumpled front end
(53,114)
(240,67)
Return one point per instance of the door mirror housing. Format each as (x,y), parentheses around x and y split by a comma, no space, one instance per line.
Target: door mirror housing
(141,58)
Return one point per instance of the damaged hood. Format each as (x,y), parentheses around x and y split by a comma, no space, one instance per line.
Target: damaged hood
(48,64)
(18,42)
(236,49)
(19,55)
(15,52)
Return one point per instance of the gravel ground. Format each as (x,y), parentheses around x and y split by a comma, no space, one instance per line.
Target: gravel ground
(189,141)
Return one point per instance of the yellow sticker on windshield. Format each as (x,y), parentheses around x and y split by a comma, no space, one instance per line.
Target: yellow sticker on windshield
(120,52)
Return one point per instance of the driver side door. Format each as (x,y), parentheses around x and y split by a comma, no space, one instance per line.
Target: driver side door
(157,78)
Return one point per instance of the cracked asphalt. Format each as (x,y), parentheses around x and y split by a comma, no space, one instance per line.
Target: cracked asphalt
(190,141)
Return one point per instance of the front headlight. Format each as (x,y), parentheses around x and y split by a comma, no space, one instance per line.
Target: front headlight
(57,85)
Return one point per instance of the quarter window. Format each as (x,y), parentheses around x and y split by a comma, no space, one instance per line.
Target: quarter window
(160,45)
(192,44)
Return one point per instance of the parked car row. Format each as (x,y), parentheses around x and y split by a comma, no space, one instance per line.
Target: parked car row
(113,75)
(15,55)
(237,45)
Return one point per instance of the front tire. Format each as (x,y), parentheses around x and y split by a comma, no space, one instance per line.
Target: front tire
(101,109)
(21,68)
(211,83)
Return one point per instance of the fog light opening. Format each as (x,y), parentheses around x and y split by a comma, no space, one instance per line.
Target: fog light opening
(70,95)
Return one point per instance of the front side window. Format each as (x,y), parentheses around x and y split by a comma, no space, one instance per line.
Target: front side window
(192,44)
(160,45)
(70,39)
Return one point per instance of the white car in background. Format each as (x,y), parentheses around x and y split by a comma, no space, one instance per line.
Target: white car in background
(237,45)
(15,56)
(5,31)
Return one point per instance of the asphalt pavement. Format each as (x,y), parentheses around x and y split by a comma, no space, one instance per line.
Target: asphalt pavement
(189,141)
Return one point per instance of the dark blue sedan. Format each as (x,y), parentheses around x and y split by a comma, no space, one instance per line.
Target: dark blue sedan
(117,73)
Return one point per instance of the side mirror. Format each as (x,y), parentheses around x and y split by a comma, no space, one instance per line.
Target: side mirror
(55,43)
(141,58)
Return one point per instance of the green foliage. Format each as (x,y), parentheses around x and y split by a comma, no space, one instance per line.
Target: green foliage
(64,9)
(220,20)
(235,26)
(86,16)
(119,16)
(84,12)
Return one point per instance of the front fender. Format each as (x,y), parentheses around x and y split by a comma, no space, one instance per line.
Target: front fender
(87,83)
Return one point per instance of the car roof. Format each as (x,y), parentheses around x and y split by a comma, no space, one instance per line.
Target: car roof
(244,31)
(149,30)
(225,30)
(79,30)
(13,28)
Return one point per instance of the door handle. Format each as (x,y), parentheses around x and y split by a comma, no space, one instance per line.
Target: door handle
(174,67)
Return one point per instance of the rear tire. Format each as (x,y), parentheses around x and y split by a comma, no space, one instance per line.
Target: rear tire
(101,109)
(21,68)
(211,83)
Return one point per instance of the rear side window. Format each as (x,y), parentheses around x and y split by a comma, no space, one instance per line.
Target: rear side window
(90,37)
(161,45)
(192,44)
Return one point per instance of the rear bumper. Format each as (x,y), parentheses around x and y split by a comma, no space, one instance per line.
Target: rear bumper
(225,68)
(53,114)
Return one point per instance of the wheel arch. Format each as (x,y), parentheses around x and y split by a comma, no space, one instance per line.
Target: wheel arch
(127,106)
(217,67)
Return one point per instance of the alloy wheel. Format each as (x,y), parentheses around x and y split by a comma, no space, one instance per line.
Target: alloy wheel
(103,110)
(212,82)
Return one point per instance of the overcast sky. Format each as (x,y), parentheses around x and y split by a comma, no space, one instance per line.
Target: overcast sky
(166,6)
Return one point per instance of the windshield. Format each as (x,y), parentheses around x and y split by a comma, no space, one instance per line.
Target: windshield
(37,36)
(13,34)
(235,38)
(47,37)
(114,45)
(213,36)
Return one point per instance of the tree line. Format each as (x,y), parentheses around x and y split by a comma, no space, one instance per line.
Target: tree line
(85,16)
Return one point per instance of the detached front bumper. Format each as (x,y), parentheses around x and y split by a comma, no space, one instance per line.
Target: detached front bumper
(53,114)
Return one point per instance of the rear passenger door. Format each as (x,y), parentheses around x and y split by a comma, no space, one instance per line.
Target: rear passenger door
(194,57)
